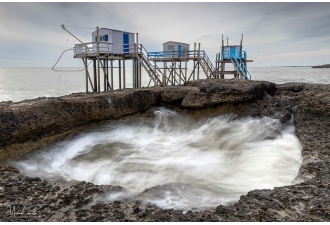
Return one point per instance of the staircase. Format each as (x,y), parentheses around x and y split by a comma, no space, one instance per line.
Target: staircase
(206,64)
(240,67)
(144,57)
(153,71)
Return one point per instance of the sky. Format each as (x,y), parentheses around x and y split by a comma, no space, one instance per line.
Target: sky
(278,34)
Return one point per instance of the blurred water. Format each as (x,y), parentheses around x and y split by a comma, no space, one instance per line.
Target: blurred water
(17,84)
(174,161)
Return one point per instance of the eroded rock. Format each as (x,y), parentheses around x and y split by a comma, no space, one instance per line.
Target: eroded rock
(32,121)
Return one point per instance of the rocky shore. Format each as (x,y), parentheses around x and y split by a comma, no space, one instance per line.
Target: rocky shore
(31,124)
(322,66)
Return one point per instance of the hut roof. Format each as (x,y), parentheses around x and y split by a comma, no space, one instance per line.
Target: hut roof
(113,30)
(176,42)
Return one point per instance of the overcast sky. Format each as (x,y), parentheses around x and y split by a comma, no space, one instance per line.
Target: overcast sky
(274,33)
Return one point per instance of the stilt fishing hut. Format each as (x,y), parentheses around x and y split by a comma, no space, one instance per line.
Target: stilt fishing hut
(235,55)
(168,67)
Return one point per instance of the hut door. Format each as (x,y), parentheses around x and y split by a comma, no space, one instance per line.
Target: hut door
(126,42)
(179,50)
(233,51)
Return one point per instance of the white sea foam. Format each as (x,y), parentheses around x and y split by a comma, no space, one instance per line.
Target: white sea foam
(176,162)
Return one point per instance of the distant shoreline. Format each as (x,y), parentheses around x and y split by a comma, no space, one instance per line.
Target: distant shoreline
(295,66)
(323,66)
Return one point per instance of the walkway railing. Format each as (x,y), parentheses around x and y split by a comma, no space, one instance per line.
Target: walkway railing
(102,47)
(145,57)
(199,55)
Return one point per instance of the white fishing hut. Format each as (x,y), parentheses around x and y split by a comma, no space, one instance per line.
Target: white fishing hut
(114,41)
(177,48)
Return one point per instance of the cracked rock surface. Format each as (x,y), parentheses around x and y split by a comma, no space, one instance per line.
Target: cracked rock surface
(31,124)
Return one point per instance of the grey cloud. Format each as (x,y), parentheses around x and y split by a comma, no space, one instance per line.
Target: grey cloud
(33,29)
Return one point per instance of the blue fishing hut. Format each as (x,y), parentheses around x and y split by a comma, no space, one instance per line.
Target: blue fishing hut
(235,55)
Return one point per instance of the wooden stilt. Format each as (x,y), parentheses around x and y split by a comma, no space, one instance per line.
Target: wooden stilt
(180,72)
(95,76)
(86,70)
(124,74)
(185,73)
(140,75)
(199,54)
(105,76)
(119,65)
(134,74)
(194,61)
(111,75)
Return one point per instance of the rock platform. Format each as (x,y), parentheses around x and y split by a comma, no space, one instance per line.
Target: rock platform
(31,124)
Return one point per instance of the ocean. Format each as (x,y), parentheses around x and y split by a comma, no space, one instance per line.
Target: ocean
(17,84)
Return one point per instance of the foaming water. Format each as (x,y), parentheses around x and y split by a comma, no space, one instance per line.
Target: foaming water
(174,161)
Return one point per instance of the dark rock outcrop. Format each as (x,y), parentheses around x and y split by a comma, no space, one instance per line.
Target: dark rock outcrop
(31,124)
(54,118)
(323,66)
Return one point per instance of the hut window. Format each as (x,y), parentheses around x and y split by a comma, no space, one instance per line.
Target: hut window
(170,47)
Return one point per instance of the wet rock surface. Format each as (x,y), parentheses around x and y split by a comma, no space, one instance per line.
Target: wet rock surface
(45,120)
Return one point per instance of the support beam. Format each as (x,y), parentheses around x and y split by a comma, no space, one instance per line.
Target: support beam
(199,54)
(124,74)
(105,76)
(86,70)
(119,65)
(180,73)
(134,73)
(164,74)
(140,75)
(98,61)
(194,60)
(111,78)
(185,73)
(107,65)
